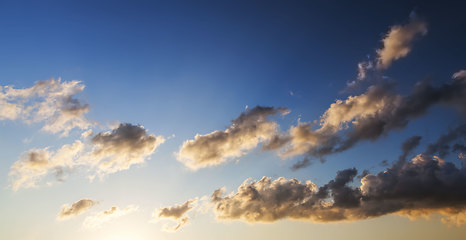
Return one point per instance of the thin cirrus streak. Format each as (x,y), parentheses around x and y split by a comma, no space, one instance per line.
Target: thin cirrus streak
(96,220)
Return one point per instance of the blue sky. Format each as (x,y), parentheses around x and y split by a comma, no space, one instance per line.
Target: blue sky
(181,68)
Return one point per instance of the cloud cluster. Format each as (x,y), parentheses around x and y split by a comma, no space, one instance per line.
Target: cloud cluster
(367,117)
(106,153)
(75,209)
(421,186)
(177,214)
(96,220)
(50,101)
(245,133)
(123,147)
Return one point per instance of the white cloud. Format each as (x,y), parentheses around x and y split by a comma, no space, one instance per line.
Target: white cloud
(51,102)
(98,219)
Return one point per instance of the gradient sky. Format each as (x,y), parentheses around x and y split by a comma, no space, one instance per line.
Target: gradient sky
(165,71)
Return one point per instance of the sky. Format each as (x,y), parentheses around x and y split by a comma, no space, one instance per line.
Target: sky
(232,119)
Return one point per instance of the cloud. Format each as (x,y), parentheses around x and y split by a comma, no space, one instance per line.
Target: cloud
(409,145)
(459,75)
(123,147)
(35,164)
(50,101)
(442,146)
(397,42)
(367,117)
(75,209)
(306,162)
(177,214)
(423,185)
(244,134)
(96,220)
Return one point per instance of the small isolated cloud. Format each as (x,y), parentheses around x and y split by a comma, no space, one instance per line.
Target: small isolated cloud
(397,42)
(177,214)
(98,219)
(443,146)
(35,164)
(459,75)
(244,134)
(50,101)
(123,147)
(306,162)
(106,153)
(75,209)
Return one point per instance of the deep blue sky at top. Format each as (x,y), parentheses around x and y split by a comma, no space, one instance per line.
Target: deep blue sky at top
(196,64)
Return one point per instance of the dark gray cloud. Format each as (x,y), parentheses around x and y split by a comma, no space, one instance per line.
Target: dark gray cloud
(408,146)
(423,185)
(442,146)
(305,162)
(75,209)
(245,133)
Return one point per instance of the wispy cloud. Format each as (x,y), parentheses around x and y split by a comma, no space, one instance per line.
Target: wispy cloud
(35,164)
(98,219)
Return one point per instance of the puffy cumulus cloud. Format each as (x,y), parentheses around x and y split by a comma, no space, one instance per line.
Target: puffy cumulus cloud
(36,164)
(177,214)
(122,147)
(245,133)
(96,220)
(423,185)
(51,101)
(367,117)
(397,42)
(75,209)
